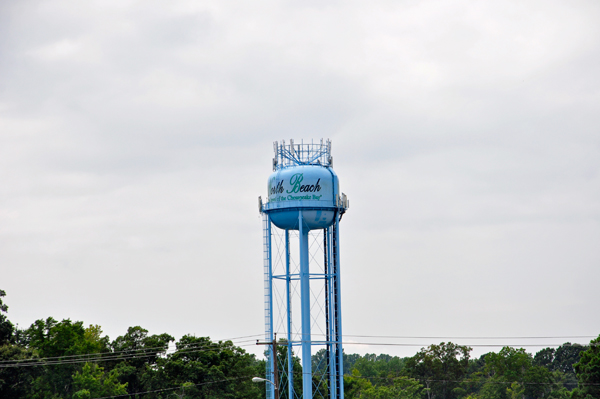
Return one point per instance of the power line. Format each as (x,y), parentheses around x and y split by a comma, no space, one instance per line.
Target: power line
(92,360)
(156,351)
(470,345)
(387,378)
(470,381)
(163,348)
(108,356)
(36,362)
(460,337)
(129,354)
(440,337)
(179,387)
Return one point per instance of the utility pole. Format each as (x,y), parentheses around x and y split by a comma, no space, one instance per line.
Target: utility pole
(275,364)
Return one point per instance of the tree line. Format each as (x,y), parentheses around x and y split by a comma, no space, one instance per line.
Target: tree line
(446,371)
(64,359)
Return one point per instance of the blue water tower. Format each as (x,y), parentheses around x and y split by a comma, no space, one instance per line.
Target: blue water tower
(301,217)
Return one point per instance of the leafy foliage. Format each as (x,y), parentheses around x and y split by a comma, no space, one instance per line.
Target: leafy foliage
(15,382)
(6,327)
(588,372)
(138,355)
(441,368)
(402,387)
(562,360)
(217,369)
(60,341)
(93,382)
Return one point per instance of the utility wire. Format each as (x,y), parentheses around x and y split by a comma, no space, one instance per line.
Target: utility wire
(164,350)
(173,389)
(43,361)
(424,337)
(104,358)
(118,354)
(459,337)
(93,360)
(131,352)
(418,379)
(470,381)
(470,345)
(36,362)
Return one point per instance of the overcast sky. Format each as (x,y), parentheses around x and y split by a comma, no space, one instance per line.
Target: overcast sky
(135,137)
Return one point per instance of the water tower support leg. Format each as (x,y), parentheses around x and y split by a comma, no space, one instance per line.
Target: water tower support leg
(305,301)
(290,365)
(268,270)
(338,309)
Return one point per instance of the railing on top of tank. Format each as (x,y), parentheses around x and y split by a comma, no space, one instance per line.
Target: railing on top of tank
(293,154)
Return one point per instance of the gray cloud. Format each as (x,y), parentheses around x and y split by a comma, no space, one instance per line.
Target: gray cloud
(135,138)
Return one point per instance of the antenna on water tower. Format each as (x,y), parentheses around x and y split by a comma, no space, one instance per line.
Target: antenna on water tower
(301,219)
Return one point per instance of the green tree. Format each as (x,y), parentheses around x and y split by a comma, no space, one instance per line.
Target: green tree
(401,388)
(65,338)
(503,369)
(60,341)
(355,385)
(6,327)
(137,356)
(217,369)
(349,361)
(358,387)
(558,389)
(509,363)
(511,373)
(475,377)
(561,360)
(545,358)
(515,391)
(440,368)
(15,382)
(50,338)
(93,382)
(538,382)
(379,369)
(565,358)
(588,372)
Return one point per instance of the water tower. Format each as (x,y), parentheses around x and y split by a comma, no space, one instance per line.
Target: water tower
(301,218)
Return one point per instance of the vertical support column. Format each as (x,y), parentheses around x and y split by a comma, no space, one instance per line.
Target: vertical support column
(338,308)
(305,304)
(327,279)
(290,365)
(268,271)
(331,344)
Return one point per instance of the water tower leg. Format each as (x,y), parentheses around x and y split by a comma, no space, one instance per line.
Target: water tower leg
(268,270)
(305,300)
(338,308)
(290,365)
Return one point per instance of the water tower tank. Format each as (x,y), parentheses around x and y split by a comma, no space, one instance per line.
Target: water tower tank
(303,180)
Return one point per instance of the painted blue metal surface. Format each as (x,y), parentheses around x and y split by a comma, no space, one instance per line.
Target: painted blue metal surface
(290,363)
(338,310)
(304,204)
(311,188)
(303,182)
(268,274)
(305,311)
